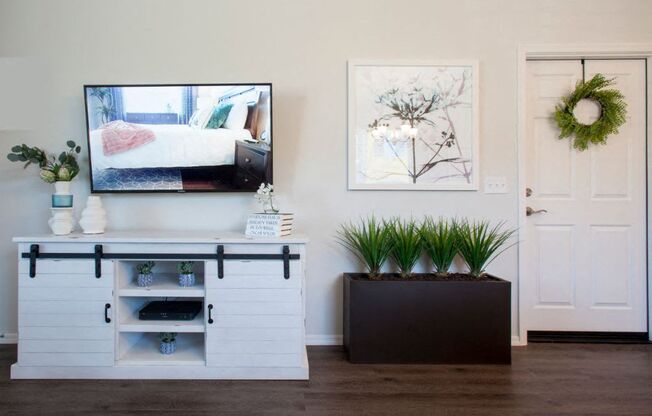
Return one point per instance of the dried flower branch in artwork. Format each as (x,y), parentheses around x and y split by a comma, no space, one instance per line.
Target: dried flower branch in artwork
(404,119)
(411,105)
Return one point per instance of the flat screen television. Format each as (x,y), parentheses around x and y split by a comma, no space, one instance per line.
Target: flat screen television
(179,138)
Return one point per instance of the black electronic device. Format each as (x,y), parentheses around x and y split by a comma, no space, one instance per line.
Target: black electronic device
(173,310)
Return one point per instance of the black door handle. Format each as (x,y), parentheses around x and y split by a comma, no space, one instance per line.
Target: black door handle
(210,317)
(106,313)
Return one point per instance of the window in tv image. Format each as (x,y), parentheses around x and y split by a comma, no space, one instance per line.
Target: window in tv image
(179,138)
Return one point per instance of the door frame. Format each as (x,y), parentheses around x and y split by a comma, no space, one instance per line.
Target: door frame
(574,51)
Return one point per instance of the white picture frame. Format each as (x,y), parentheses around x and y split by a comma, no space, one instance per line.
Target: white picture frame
(388,149)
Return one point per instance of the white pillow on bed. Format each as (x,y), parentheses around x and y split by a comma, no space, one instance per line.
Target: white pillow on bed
(237,116)
(200,118)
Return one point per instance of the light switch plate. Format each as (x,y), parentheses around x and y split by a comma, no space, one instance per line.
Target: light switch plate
(495,185)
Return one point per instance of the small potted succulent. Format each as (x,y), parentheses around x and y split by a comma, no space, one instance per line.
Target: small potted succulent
(168,343)
(186,274)
(145,275)
(440,316)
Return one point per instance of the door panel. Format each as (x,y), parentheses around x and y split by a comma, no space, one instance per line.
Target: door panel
(611,258)
(585,257)
(559,182)
(63,315)
(269,321)
(556,279)
(67,267)
(611,171)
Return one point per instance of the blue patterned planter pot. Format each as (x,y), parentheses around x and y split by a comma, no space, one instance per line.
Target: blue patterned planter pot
(187,280)
(168,348)
(145,280)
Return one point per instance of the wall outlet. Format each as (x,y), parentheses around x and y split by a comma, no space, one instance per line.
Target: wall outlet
(495,185)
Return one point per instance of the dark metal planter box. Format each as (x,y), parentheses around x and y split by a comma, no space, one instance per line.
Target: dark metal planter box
(427,321)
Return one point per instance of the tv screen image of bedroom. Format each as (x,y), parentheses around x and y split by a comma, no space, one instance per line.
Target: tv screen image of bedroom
(172,138)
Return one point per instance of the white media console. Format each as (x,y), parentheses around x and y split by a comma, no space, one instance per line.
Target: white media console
(78,305)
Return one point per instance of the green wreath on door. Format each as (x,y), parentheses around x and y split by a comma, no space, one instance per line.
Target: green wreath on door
(613,112)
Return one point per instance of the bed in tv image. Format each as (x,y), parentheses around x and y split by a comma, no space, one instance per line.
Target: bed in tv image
(179,138)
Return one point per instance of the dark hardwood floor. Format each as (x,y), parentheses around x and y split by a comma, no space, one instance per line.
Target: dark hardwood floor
(544,379)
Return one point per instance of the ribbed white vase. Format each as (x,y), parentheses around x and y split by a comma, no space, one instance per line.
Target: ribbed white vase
(93,217)
(62,221)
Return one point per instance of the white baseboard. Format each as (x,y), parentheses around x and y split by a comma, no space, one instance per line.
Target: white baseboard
(9,338)
(323,339)
(337,340)
(516,341)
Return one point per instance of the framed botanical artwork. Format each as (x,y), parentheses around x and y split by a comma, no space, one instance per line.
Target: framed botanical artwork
(413,125)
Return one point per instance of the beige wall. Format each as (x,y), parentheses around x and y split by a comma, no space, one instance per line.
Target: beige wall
(302,48)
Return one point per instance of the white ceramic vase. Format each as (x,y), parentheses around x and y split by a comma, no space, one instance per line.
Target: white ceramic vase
(93,217)
(62,221)
(62,188)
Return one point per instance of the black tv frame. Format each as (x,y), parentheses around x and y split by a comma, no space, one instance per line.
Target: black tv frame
(179,191)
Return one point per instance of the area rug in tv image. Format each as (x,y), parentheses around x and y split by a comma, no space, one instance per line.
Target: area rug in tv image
(146,179)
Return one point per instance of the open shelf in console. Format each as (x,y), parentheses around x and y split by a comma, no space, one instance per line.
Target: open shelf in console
(165,282)
(143,349)
(163,285)
(128,318)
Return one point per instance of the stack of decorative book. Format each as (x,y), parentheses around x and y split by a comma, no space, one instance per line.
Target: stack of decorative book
(269,225)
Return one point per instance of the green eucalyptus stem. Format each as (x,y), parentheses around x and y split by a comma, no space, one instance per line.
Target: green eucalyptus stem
(52,168)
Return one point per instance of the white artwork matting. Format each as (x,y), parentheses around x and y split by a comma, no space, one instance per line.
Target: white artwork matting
(413,125)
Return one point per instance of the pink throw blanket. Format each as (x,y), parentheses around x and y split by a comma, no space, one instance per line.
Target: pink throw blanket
(119,136)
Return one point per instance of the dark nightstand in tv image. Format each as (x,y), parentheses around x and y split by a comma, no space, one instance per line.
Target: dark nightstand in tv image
(253,165)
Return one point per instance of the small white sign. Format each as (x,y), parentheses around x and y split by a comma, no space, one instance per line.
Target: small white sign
(269,225)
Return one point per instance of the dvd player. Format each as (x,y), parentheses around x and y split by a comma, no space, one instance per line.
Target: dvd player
(173,310)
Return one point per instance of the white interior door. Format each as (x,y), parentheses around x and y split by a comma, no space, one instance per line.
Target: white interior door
(585,256)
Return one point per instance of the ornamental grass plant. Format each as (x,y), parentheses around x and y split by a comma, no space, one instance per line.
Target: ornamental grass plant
(479,243)
(370,241)
(439,238)
(406,244)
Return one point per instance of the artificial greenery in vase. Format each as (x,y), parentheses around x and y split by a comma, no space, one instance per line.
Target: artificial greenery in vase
(370,241)
(168,342)
(52,168)
(439,239)
(145,275)
(479,243)
(186,274)
(406,244)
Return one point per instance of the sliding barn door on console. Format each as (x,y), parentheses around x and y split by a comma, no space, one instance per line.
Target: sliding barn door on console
(586,256)
(255,313)
(65,316)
